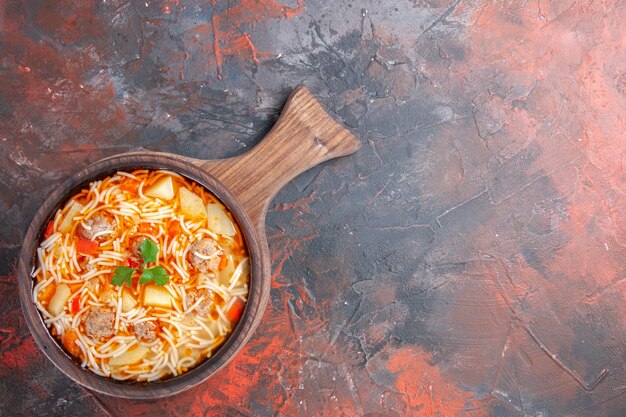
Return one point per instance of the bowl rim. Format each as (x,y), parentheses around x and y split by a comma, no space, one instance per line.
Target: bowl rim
(258,286)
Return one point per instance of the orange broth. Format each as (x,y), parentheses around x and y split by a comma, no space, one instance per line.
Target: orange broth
(142,331)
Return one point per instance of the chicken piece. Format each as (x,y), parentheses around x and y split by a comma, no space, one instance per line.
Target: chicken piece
(205,255)
(205,306)
(99,323)
(98,227)
(146,331)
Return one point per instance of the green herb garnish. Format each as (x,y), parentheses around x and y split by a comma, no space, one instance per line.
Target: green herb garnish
(121,275)
(157,274)
(149,251)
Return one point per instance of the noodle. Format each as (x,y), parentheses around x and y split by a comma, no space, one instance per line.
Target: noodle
(149,330)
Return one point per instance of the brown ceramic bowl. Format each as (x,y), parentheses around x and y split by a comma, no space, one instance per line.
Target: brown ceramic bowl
(304,136)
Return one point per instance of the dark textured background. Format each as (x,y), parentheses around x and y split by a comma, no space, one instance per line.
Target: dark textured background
(468,261)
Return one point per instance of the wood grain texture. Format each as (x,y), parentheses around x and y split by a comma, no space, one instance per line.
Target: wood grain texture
(304,136)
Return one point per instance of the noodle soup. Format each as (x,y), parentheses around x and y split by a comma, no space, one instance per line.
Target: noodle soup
(141,276)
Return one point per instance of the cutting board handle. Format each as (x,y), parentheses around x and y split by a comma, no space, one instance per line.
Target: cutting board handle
(305,135)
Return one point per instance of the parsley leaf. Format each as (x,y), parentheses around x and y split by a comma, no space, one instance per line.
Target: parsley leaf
(146,276)
(149,251)
(121,275)
(158,274)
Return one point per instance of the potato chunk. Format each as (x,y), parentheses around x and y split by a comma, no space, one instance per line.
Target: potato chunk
(66,225)
(163,189)
(218,221)
(224,275)
(191,204)
(60,297)
(156,297)
(128,301)
(130,356)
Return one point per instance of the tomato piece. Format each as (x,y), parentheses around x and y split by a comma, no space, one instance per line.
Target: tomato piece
(174,229)
(75,305)
(130,185)
(236,310)
(86,247)
(49,230)
(132,263)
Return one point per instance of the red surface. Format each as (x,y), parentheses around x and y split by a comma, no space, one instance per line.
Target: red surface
(468,261)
